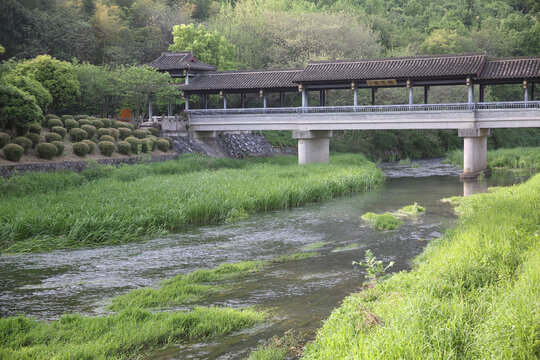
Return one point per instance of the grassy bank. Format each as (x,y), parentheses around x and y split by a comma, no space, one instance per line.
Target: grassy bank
(517,158)
(472,294)
(127,204)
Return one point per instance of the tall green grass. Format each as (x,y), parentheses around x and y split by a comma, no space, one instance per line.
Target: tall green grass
(112,210)
(472,294)
(518,158)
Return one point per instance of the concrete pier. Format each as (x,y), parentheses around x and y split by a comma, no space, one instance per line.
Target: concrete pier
(474,152)
(313,146)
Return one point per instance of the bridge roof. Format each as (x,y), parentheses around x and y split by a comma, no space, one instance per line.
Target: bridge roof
(248,80)
(511,68)
(180,61)
(414,67)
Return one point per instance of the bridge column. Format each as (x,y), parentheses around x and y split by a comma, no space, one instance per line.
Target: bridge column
(313,146)
(474,152)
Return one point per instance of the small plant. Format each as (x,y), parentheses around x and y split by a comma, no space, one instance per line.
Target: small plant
(163,145)
(34,138)
(415,165)
(83,122)
(153,131)
(54,122)
(77,135)
(406,161)
(65,117)
(124,147)
(71,124)
(375,269)
(47,151)
(51,116)
(106,138)
(4,139)
(59,130)
(80,117)
(103,131)
(106,148)
(136,144)
(147,145)
(80,149)
(412,209)
(124,133)
(106,122)
(13,152)
(91,146)
(52,137)
(387,222)
(141,134)
(114,133)
(98,124)
(59,146)
(90,130)
(24,142)
(34,128)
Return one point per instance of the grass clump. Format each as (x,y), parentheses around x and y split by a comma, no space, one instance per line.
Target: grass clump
(296,256)
(316,245)
(517,158)
(382,222)
(185,191)
(472,294)
(412,209)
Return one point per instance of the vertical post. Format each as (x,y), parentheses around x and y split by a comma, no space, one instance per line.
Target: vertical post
(411,99)
(224,101)
(525,91)
(533,85)
(150,109)
(281,99)
(474,152)
(265,101)
(169,110)
(205,101)
(322,98)
(187,102)
(304,100)
(355,95)
(481,96)
(426,89)
(470,97)
(373,92)
(186,81)
(243,100)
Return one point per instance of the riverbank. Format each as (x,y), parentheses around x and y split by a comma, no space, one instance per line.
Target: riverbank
(473,294)
(525,158)
(106,205)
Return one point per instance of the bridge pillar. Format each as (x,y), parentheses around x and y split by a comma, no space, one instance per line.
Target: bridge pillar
(313,146)
(474,152)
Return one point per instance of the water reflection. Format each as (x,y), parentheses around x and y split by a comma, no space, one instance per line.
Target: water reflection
(471,187)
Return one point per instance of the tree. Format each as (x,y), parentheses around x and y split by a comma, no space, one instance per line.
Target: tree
(208,46)
(2,50)
(99,92)
(17,108)
(32,87)
(58,77)
(442,41)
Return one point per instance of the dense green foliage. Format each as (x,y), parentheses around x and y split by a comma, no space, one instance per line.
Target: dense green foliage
(13,152)
(518,158)
(17,107)
(472,294)
(80,148)
(106,147)
(108,211)
(47,150)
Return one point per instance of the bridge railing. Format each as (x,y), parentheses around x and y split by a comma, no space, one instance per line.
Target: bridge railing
(369,108)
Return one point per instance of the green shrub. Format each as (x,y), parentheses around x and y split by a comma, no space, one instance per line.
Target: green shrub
(34,128)
(13,152)
(21,129)
(97,124)
(106,148)
(24,142)
(153,131)
(52,137)
(71,124)
(124,133)
(51,116)
(147,145)
(103,131)
(59,146)
(91,146)
(163,145)
(124,147)
(4,139)
(106,122)
(34,138)
(121,125)
(59,130)
(106,138)
(47,151)
(114,133)
(65,117)
(80,117)
(77,134)
(54,122)
(90,130)
(387,222)
(80,149)
(136,144)
(168,139)
(154,141)
(141,134)
(83,122)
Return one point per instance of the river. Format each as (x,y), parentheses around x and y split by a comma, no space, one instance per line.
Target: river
(301,294)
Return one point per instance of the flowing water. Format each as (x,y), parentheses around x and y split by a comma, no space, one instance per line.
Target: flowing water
(300,293)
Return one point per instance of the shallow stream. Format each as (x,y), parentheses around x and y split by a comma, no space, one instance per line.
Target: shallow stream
(300,293)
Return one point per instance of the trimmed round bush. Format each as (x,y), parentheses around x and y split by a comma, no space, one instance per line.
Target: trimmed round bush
(34,128)
(59,146)
(106,122)
(168,139)
(83,122)
(26,143)
(103,131)
(91,145)
(130,126)
(4,139)
(59,130)
(106,138)
(124,133)
(90,130)
(51,116)
(153,131)
(52,137)
(80,117)
(124,147)
(106,148)
(71,124)
(96,123)
(121,125)
(135,143)
(65,117)
(21,129)
(54,122)
(80,148)
(77,134)
(154,141)
(13,152)
(34,138)
(114,133)
(141,134)
(147,145)
(163,145)
(47,151)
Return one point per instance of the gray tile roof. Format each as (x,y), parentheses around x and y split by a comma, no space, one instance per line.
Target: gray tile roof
(180,61)
(512,68)
(239,80)
(416,67)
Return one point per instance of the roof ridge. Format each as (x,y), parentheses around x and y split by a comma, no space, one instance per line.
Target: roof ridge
(511,58)
(254,71)
(320,62)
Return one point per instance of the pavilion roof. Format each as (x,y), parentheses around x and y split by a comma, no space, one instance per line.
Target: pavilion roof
(511,68)
(414,67)
(243,80)
(180,61)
